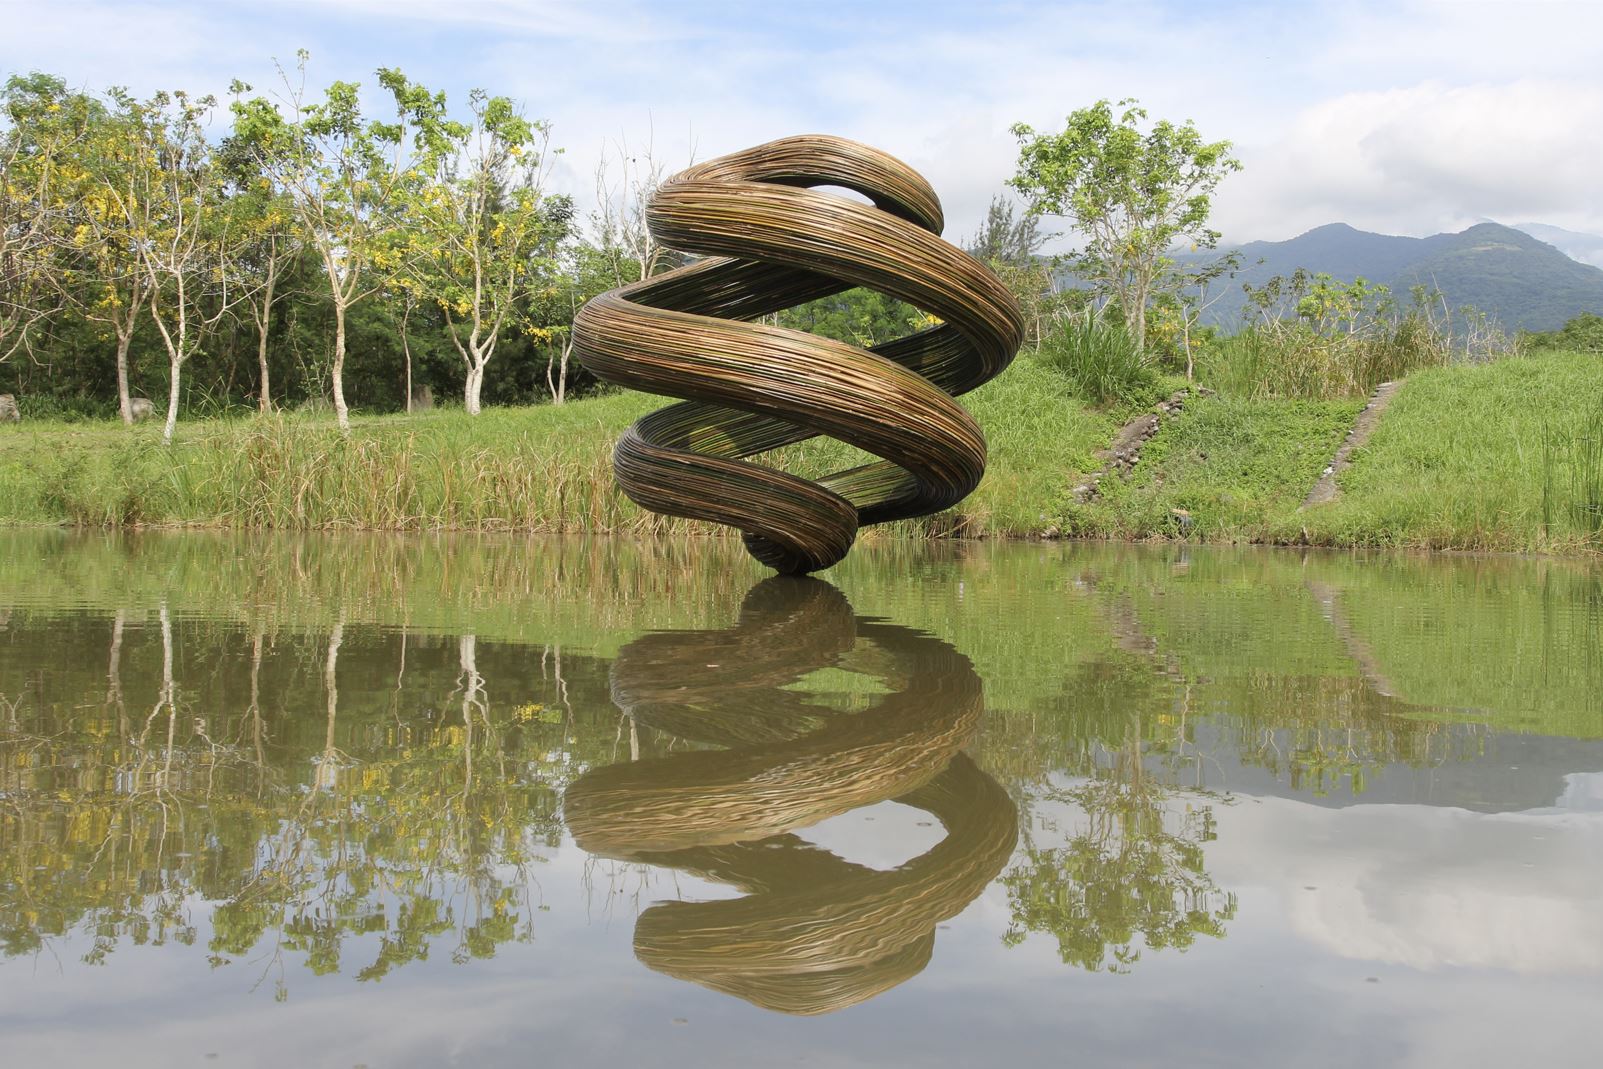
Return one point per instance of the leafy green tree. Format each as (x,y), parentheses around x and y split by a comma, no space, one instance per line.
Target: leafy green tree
(166,203)
(1130,191)
(1583,334)
(343,174)
(263,213)
(27,203)
(1132,870)
(479,236)
(96,276)
(1010,244)
(858,316)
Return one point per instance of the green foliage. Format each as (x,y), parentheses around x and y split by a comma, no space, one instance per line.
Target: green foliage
(856,316)
(1583,334)
(1572,479)
(475,233)
(1131,193)
(1010,245)
(1102,363)
(1314,336)
(1297,361)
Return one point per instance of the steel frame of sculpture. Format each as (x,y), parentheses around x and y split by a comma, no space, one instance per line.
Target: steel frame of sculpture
(770,241)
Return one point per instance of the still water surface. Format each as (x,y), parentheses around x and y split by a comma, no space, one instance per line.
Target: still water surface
(408,802)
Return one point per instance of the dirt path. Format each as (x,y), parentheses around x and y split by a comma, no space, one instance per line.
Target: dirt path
(1325,490)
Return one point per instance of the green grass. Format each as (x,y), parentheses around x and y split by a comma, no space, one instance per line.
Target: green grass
(1485,457)
(543,468)
(533,468)
(1100,361)
(1293,360)
(1227,469)
(1457,461)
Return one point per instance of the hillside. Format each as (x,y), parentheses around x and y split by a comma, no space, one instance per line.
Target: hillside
(1522,282)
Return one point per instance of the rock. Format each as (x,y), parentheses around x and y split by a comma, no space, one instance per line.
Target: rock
(9,412)
(141,408)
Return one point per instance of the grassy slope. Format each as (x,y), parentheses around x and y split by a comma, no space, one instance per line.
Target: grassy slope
(1238,467)
(1457,461)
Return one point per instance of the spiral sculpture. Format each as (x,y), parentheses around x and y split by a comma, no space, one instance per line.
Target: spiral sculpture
(813,932)
(770,242)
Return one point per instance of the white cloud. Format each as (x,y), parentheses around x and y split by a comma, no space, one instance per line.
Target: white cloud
(1425,158)
(1409,117)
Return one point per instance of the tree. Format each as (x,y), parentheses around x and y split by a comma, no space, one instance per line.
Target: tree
(166,203)
(94,270)
(342,174)
(264,214)
(1130,193)
(1010,245)
(27,172)
(1191,285)
(479,236)
(618,222)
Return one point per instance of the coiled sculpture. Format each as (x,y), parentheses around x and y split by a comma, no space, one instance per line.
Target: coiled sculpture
(813,932)
(770,242)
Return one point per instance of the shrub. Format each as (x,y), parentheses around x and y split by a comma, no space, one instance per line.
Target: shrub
(1100,360)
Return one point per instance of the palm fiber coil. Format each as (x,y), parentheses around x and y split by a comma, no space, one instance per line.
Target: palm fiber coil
(770,242)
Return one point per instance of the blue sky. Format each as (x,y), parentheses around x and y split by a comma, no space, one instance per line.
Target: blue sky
(1409,117)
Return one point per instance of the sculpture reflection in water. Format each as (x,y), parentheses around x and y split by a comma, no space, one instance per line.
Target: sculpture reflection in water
(814,933)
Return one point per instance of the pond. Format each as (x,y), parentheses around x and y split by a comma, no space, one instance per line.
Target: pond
(377,801)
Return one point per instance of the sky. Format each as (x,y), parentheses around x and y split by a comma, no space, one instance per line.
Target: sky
(1406,117)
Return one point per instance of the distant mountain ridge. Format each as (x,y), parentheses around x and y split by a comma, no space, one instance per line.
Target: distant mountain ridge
(1522,282)
(1587,248)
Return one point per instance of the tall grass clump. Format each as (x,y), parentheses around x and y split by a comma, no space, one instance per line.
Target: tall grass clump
(1294,360)
(1100,359)
(1572,479)
(1317,337)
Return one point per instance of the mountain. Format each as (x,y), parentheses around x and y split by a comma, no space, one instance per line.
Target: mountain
(1587,248)
(1520,281)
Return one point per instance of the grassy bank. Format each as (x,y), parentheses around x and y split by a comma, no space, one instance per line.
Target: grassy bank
(1500,456)
(536,469)
(1504,456)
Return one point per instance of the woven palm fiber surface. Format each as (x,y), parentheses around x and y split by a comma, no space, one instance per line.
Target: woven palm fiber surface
(812,932)
(769,241)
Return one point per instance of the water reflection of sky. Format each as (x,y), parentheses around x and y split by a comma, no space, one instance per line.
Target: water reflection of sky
(1398,955)
(1444,913)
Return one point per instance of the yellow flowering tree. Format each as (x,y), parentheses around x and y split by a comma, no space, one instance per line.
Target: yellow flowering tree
(342,174)
(481,236)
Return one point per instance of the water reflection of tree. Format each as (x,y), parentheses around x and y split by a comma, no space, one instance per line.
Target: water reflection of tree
(412,822)
(1125,872)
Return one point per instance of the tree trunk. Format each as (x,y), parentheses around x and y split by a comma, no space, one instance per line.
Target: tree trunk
(1140,327)
(406,351)
(264,399)
(328,768)
(174,367)
(341,413)
(124,402)
(475,385)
